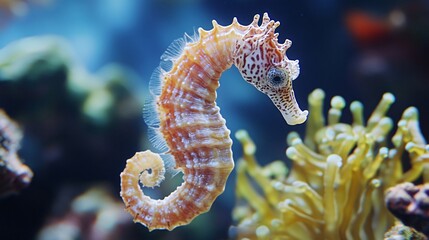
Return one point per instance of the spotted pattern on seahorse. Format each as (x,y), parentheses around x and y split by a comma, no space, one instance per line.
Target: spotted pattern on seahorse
(186,124)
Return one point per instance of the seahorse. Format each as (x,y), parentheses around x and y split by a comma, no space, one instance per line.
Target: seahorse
(186,121)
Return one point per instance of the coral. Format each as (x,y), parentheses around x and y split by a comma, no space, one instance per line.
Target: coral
(14,175)
(400,231)
(66,110)
(94,214)
(30,62)
(410,204)
(340,171)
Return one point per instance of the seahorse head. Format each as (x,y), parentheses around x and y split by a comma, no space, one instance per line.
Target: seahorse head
(262,62)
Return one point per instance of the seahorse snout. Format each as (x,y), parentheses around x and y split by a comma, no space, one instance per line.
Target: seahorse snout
(296,118)
(284,100)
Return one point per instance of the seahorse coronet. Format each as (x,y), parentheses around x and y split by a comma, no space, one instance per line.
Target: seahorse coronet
(187,125)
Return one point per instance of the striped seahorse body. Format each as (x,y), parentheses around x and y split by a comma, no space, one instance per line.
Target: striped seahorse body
(186,121)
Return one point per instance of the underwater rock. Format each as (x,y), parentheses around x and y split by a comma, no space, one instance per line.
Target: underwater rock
(410,204)
(335,188)
(14,175)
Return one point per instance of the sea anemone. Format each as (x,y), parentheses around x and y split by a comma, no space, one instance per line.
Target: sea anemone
(335,189)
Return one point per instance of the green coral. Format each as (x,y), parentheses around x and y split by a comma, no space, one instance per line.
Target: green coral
(29,59)
(340,172)
(402,232)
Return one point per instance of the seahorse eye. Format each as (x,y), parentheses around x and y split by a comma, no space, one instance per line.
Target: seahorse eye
(277,80)
(276,77)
